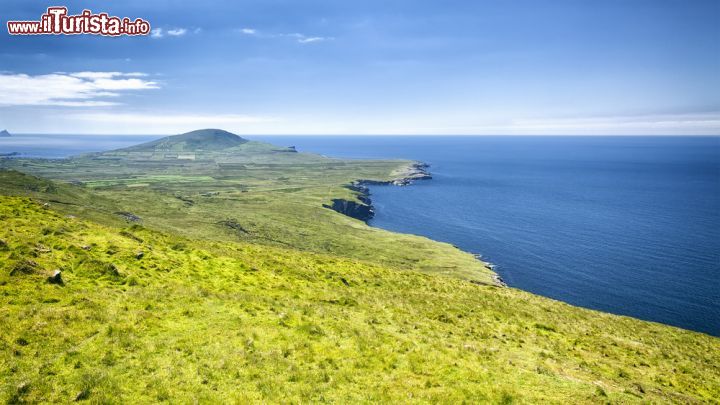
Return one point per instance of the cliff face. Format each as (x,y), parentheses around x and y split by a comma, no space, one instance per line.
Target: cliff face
(362,211)
(416,171)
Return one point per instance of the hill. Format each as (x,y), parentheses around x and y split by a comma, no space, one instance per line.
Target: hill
(145,316)
(194,141)
(254,192)
(5,134)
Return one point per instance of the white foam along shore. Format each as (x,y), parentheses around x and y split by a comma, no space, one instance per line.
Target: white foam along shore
(491,266)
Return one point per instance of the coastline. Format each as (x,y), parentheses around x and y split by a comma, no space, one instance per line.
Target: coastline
(491,266)
(405,176)
(364,210)
(402,177)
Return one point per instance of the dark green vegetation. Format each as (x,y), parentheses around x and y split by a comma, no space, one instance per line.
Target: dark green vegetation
(232,288)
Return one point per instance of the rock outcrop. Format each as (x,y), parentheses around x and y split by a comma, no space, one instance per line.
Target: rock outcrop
(416,171)
(5,134)
(363,209)
(24,267)
(128,216)
(403,177)
(56,278)
(354,209)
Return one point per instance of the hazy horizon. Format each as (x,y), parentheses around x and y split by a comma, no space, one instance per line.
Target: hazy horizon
(249,135)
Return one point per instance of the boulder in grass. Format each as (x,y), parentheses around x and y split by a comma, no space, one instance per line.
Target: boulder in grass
(56,278)
(128,216)
(24,267)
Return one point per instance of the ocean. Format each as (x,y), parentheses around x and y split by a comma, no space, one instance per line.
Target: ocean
(62,146)
(627,225)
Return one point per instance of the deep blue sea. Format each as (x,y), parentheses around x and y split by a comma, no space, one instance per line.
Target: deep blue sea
(628,225)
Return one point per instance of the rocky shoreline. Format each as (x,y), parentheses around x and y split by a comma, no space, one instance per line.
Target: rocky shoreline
(490,266)
(403,177)
(364,210)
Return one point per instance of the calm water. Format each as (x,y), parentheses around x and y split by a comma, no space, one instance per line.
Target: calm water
(60,146)
(624,225)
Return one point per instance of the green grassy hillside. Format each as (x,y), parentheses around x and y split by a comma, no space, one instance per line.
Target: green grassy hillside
(200,140)
(206,268)
(247,191)
(146,316)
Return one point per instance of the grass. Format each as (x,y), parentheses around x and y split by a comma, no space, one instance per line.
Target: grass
(234,284)
(207,321)
(276,196)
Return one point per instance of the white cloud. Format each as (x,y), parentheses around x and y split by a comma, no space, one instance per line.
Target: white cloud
(79,89)
(104,75)
(94,75)
(158,33)
(303,39)
(307,40)
(300,38)
(177,32)
(171,119)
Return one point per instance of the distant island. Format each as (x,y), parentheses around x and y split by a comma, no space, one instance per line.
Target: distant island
(5,134)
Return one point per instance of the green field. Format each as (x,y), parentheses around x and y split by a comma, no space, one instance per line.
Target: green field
(273,194)
(236,284)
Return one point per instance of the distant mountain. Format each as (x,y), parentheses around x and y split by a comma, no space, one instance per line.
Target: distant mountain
(200,140)
(5,134)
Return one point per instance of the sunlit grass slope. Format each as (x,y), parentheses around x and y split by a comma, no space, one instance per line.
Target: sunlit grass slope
(214,185)
(146,316)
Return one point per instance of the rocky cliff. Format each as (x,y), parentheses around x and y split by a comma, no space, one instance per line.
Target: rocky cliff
(354,209)
(363,210)
(403,176)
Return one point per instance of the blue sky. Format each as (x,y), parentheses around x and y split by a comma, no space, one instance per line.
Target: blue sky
(371,67)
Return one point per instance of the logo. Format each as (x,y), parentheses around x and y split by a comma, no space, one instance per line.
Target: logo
(57,22)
